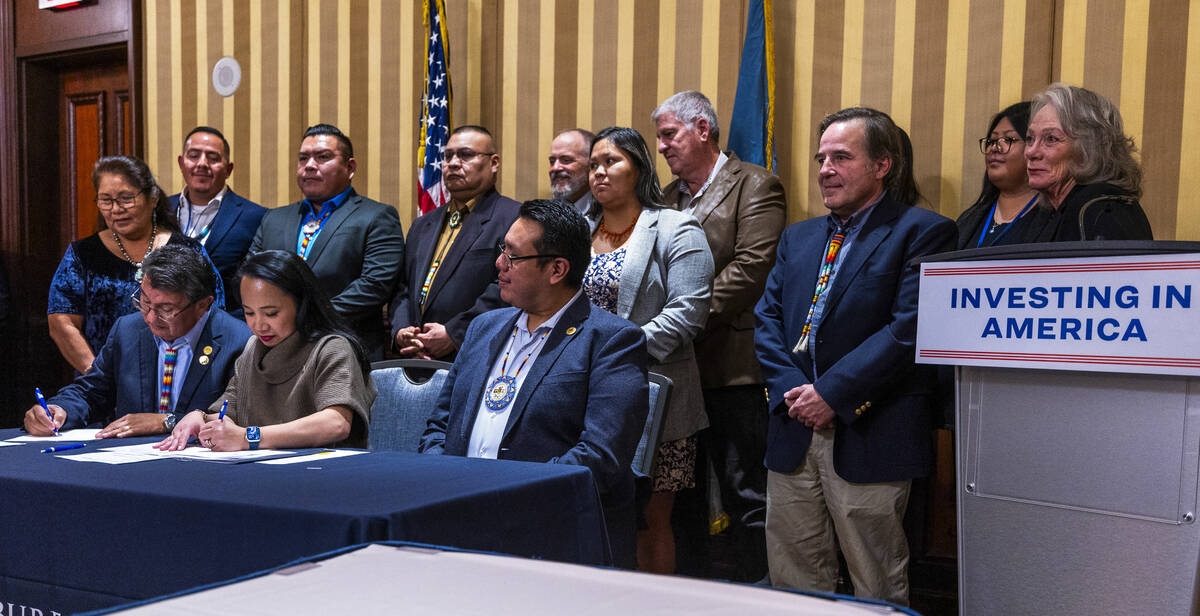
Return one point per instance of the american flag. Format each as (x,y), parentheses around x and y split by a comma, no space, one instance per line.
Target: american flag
(435,110)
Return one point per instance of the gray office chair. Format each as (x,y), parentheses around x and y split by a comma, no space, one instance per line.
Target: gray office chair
(403,401)
(660,393)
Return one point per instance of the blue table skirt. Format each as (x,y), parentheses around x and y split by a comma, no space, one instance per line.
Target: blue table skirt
(140,530)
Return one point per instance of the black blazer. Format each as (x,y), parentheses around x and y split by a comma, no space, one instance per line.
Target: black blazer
(228,240)
(356,258)
(1111,214)
(466,282)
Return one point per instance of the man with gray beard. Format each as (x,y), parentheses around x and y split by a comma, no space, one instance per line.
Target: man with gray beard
(569,154)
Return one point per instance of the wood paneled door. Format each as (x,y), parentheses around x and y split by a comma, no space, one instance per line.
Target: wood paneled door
(95,110)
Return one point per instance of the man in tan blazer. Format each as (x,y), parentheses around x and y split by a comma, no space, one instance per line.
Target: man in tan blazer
(743,211)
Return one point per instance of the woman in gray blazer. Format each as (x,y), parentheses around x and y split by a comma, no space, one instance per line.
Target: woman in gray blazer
(652,265)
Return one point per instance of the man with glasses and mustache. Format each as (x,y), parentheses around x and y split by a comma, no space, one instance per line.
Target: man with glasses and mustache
(174,355)
(450,272)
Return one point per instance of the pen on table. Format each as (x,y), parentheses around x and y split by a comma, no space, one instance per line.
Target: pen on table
(37,391)
(64,447)
(224,405)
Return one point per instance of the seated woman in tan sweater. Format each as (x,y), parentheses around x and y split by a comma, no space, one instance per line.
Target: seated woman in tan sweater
(302,380)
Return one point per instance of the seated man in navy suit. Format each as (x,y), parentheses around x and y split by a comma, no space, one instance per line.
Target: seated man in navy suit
(554,378)
(175,356)
(210,212)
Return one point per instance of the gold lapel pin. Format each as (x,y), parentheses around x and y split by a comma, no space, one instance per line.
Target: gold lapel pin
(571,331)
(207,350)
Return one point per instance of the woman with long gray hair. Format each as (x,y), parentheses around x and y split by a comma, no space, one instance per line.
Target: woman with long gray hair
(1078,157)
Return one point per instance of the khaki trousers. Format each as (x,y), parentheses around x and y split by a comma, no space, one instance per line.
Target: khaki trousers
(807,507)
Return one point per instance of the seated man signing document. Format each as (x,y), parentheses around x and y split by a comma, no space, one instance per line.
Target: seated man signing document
(176,355)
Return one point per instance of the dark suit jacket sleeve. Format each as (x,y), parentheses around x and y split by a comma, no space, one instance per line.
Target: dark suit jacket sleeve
(760,220)
(383,256)
(456,327)
(95,389)
(505,213)
(770,337)
(865,372)
(401,307)
(433,440)
(618,402)
(256,245)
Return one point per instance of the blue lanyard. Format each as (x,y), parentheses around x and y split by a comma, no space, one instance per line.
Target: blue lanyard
(992,215)
(187,229)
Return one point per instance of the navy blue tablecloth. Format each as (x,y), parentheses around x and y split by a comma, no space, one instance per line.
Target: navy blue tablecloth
(96,532)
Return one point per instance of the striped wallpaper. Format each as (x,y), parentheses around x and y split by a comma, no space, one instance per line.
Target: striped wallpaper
(529,68)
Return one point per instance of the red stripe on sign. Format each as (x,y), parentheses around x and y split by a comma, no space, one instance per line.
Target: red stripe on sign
(1063,269)
(1175,362)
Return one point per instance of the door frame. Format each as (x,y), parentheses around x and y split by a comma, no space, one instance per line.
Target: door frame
(31,202)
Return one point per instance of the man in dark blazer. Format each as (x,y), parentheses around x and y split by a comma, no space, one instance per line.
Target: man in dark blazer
(354,245)
(450,274)
(175,356)
(210,212)
(850,412)
(742,209)
(554,378)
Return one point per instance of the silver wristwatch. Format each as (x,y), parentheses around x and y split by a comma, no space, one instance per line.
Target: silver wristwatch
(169,420)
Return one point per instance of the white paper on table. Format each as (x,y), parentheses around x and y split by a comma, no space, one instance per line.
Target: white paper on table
(8,444)
(199,453)
(109,457)
(80,434)
(314,457)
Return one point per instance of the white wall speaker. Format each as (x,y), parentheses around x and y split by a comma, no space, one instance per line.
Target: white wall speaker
(226,76)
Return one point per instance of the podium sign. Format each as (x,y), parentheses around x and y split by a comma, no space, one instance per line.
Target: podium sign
(1128,314)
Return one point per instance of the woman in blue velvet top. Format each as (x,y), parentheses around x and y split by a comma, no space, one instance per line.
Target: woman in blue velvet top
(99,273)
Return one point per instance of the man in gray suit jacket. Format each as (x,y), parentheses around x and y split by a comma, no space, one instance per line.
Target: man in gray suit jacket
(353,244)
(742,210)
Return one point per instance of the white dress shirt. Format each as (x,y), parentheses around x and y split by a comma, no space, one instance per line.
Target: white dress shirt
(686,198)
(196,219)
(489,424)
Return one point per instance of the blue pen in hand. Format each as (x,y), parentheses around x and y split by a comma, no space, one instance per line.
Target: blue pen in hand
(224,405)
(37,391)
(64,447)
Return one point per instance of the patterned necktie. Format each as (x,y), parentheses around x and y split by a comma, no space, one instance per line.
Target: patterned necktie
(835,243)
(164,391)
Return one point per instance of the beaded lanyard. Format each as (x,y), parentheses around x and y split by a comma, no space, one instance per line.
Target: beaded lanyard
(168,378)
(503,389)
(310,229)
(835,243)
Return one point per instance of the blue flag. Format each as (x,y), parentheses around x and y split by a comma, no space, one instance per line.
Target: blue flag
(752,128)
